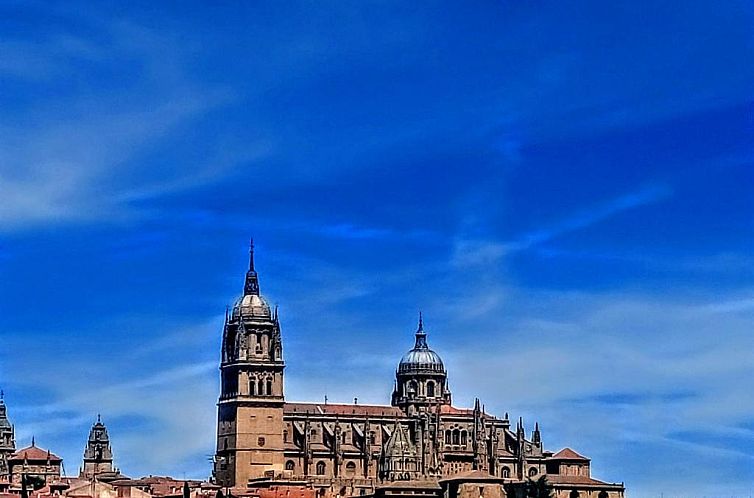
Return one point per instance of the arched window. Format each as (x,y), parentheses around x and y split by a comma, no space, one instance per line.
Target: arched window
(573,494)
(430,389)
(320,468)
(603,494)
(252,387)
(412,388)
(505,472)
(447,436)
(532,472)
(350,469)
(464,438)
(269,387)
(289,465)
(456,437)
(260,388)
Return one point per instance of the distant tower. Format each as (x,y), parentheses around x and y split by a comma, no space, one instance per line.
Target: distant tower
(421,379)
(98,456)
(250,408)
(7,440)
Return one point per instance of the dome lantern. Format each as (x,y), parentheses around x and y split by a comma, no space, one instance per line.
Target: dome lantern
(251,304)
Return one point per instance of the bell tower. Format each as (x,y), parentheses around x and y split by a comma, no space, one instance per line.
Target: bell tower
(98,456)
(250,408)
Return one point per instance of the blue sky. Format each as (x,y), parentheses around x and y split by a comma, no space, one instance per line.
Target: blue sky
(564,188)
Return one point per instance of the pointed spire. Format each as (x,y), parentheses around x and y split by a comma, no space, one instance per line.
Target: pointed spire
(33,441)
(421,336)
(252,281)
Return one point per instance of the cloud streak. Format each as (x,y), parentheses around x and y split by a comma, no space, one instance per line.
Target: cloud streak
(480,252)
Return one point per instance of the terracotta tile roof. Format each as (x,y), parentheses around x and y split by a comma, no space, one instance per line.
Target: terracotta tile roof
(579,480)
(568,454)
(341,409)
(452,410)
(33,453)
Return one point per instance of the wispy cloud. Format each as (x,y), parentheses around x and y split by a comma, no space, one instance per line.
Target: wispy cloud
(75,161)
(485,252)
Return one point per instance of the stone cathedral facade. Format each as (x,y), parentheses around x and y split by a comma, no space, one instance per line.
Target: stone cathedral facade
(354,449)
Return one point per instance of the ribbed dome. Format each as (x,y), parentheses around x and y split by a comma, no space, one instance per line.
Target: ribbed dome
(253,306)
(421,358)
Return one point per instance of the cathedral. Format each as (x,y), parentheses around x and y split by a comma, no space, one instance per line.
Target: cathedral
(419,444)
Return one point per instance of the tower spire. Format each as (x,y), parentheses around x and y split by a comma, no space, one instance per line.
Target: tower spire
(421,336)
(251,254)
(252,280)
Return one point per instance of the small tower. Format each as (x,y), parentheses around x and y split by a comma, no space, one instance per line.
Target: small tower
(421,379)
(98,455)
(7,440)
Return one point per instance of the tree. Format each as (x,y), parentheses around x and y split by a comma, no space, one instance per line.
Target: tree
(539,488)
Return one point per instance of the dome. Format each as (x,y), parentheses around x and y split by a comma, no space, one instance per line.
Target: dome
(253,306)
(421,358)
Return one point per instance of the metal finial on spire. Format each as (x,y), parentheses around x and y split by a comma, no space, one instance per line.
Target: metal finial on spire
(33,441)
(251,254)
(421,336)
(99,418)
